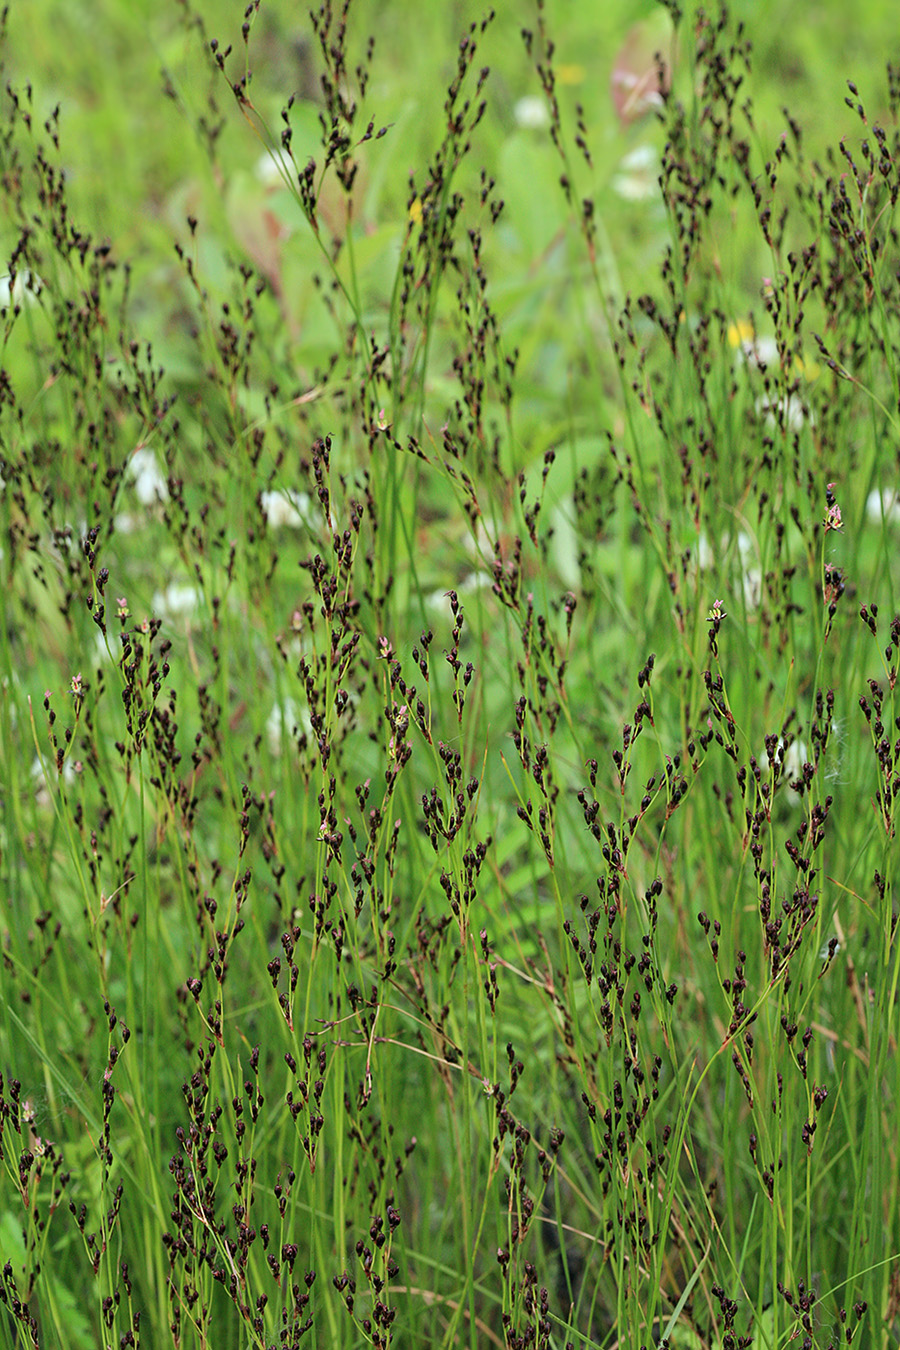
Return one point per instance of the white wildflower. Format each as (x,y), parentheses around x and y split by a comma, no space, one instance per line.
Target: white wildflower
(789,411)
(149,484)
(751,585)
(531,113)
(23,289)
(751,573)
(177,600)
(745,545)
(273,168)
(286,509)
(792,760)
(101,653)
(795,757)
(637,176)
(705,556)
(883,505)
(44,777)
(836,751)
(285,720)
(760,351)
(281,720)
(565,544)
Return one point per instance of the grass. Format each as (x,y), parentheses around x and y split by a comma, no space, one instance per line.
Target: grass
(448,689)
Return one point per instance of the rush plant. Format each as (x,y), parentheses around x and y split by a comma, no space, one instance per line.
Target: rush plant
(448,703)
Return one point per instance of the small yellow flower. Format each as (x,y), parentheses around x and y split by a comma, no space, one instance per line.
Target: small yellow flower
(571,74)
(806,367)
(740,332)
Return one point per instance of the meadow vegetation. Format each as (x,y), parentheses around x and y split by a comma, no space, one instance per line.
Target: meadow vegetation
(448,709)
